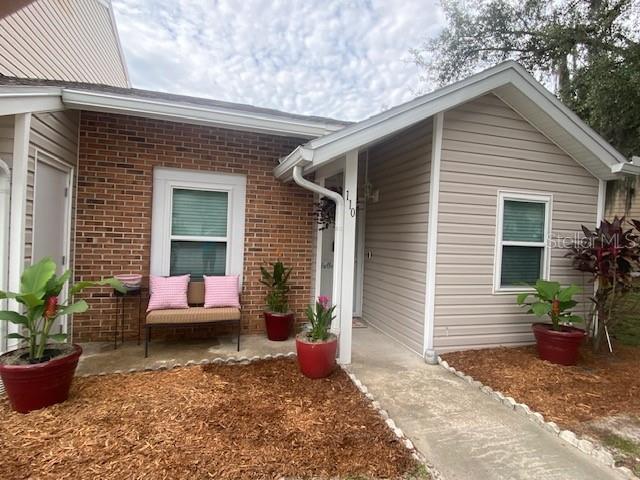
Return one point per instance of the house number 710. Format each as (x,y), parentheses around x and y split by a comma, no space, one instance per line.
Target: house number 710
(352,210)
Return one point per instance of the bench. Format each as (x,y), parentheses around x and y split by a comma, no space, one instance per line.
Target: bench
(195,315)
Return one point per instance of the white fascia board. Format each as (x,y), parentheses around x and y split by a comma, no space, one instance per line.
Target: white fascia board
(197,114)
(116,34)
(16,100)
(626,168)
(404,119)
(408,106)
(563,115)
(361,134)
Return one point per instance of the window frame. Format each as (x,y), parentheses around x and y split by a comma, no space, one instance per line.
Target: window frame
(529,197)
(165,181)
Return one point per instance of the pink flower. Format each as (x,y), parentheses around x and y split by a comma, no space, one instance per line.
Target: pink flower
(323,300)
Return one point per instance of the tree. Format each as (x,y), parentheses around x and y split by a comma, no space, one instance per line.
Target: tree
(589,50)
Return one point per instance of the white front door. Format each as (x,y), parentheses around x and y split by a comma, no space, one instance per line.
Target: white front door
(51,219)
(326,263)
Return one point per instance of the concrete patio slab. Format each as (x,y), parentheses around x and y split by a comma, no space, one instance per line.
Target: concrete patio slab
(102,357)
(461,431)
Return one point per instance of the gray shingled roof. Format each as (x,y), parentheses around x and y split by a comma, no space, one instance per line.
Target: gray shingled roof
(171,97)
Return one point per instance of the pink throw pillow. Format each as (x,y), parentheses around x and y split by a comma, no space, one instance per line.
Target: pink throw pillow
(168,292)
(221,291)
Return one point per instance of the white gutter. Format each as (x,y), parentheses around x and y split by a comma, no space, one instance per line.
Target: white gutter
(198,114)
(630,168)
(338,243)
(16,100)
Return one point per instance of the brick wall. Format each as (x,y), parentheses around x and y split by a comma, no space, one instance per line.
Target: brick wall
(117,154)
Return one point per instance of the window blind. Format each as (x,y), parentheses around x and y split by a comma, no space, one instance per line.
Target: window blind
(520,265)
(199,213)
(523,221)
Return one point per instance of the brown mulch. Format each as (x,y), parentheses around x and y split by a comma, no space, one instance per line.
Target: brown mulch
(599,386)
(262,420)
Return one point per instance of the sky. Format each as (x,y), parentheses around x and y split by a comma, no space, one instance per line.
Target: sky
(344,59)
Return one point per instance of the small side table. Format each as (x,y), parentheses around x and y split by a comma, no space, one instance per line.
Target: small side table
(131,293)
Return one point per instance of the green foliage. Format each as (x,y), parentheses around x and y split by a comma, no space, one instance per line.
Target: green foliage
(277,282)
(551,299)
(591,47)
(626,313)
(610,254)
(320,317)
(39,291)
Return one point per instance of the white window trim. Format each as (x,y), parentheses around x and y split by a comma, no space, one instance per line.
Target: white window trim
(165,180)
(504,195)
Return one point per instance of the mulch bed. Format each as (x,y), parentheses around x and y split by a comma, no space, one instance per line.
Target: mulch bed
(262,420)
(599,386)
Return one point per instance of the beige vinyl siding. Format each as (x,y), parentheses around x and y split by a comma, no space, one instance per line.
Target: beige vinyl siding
(55,134)
(62,40)
(488,147)
(6,139)
(396,235)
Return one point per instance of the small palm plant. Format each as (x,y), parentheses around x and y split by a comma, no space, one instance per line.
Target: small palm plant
(551,299)
(278,283)
(40,288)
(320,317)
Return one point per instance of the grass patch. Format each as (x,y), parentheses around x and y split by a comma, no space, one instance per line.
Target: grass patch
(628,451)
(623,445)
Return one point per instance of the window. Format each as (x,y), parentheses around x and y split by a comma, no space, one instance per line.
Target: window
(197,224)
(522,251)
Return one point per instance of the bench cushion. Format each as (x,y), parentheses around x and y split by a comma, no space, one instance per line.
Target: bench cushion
(192,315)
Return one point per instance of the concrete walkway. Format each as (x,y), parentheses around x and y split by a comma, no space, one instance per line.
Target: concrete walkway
(463,432)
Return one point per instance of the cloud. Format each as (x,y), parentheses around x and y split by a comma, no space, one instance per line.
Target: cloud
(345,59)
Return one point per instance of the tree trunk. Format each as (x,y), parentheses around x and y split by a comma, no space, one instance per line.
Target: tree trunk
(564,79)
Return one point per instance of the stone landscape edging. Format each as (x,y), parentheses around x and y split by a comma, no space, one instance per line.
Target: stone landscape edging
(597,451)
(231,360)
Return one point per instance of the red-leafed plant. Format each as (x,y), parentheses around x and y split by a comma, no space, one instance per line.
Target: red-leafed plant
(610,254)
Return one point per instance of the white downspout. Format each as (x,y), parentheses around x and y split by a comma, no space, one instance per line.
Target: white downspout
(338,243)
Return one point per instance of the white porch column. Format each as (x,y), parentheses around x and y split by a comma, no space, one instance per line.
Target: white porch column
(19,172)
(350,195)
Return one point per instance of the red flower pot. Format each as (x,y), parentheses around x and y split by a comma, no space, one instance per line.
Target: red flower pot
(316,359)
(559,347)
(31,387)
(278,325)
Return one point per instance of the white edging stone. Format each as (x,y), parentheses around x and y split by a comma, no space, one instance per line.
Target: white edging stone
(600,453)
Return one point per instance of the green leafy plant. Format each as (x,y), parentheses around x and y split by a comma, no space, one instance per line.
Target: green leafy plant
(320,317)
(610,255)
(39,291)
(551,299)
(277,282)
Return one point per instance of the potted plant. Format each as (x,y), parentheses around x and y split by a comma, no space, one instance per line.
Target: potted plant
(277,317)
(316,346)
(557,342)
(40,373)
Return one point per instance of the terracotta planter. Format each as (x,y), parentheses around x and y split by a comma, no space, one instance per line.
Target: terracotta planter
(278,325)
(559,347)
(31,387)
(316,359)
